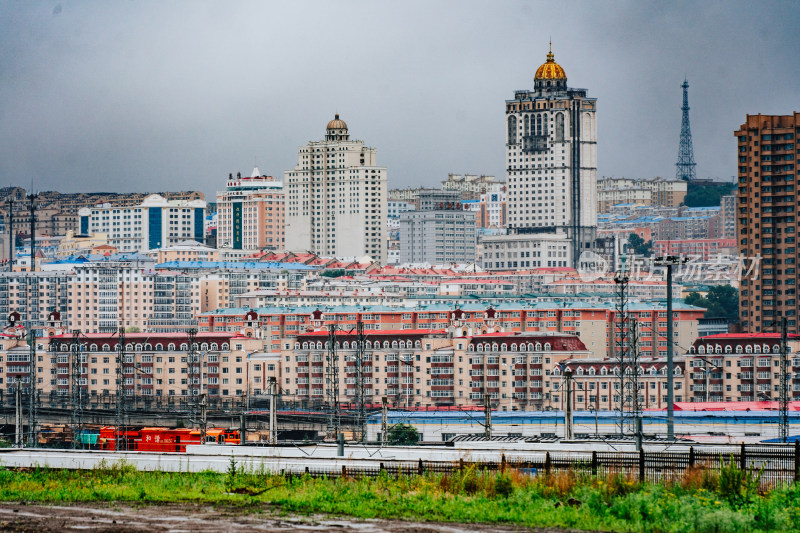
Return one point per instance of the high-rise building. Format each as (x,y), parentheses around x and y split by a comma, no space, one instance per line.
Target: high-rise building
(250,213)
(437,236)
(551,161)
(728,212)
(155,223)
(336,198)
(767,220)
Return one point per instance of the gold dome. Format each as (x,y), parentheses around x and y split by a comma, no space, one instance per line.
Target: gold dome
(550,70)
(337,124)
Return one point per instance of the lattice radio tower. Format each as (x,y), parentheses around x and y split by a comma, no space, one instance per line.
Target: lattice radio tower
(685,165)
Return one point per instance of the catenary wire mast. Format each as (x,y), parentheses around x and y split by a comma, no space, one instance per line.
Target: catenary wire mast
(11,234)
(360,361)
(621,278)
(633,378)
(33,422)
(332,382)
(32,414)
(685,166)
(77,393)
(784,385)
(120,407)
(193,362)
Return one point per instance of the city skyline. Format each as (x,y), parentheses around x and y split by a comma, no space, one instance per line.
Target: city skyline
(149,97)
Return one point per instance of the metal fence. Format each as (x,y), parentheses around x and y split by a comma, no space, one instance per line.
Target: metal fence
(778,464)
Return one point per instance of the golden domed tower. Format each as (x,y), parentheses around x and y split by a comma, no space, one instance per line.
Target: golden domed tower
(551,176)
(550,75)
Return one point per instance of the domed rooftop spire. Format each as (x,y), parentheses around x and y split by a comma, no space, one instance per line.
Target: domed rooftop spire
(337,130)
(550,70)
(337,124)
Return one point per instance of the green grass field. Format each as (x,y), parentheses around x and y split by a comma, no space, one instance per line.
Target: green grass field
(701,500)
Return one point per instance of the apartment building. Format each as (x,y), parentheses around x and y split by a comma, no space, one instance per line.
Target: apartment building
(250,213)
(472,186)
(336,198)
(594,323)
(438,236)
(741,367)
(655,191)
(158,370)
(102,294)
(155,223)
(704,249)
(768,181)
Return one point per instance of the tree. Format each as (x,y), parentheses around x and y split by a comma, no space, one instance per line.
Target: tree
(706,195)
(639,246)
(333,273)
(722,301)
(403,435)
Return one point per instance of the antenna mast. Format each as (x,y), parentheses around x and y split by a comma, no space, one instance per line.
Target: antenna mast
(685,166)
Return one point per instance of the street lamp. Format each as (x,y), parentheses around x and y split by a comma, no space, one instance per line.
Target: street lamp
(669,261)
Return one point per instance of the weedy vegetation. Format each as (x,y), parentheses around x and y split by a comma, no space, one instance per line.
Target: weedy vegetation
(725,499)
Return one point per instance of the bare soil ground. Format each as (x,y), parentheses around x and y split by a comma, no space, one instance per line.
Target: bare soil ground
(192,518)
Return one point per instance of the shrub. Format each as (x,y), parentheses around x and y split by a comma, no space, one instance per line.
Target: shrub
(738,485)
(700,477)
(503,485)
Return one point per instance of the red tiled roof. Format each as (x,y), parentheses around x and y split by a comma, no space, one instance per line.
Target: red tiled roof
(373,333)
(745,336)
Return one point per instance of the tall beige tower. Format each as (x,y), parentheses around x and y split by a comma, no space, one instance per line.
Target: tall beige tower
(551,160)
(336,198)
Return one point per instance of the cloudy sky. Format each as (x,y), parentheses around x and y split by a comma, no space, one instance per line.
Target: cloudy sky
(129,95)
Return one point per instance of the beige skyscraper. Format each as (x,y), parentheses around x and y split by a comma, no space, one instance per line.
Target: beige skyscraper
(336,198)
(551,162)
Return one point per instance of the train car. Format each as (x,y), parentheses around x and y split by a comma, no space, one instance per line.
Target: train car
(129,438)
(161,439)
(222,436)
(157,439)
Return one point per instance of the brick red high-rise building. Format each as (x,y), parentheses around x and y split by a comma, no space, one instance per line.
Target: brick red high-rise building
(767,220)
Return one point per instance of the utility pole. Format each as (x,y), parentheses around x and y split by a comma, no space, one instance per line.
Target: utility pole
(784,390)
(384,421)
(487,412)
(273,412)
(568,435)
(669,261)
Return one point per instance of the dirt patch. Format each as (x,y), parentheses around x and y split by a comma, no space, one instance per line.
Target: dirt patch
(192,518)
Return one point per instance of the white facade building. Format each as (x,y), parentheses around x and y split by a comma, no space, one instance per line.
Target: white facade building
(155,223)
(551,161)
(250,213)
(336,198)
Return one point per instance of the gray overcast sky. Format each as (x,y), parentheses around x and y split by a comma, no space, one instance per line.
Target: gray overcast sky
(148,96)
